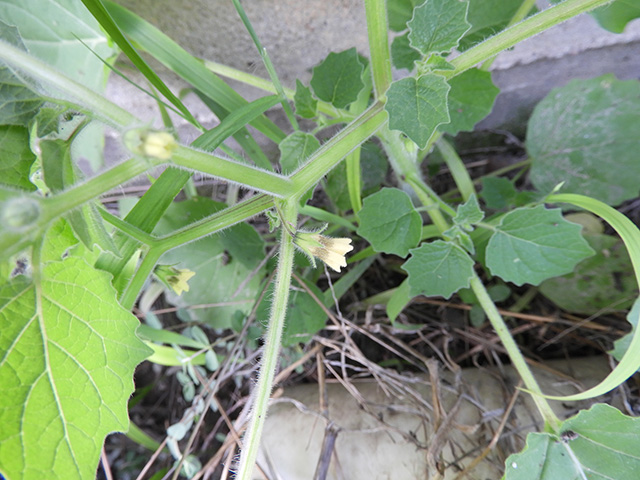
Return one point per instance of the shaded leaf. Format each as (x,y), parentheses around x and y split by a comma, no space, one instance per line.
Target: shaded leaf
(603,281)
(222,263)
(417,106)
(438,268)
(437,25)
(403,54)
(621,345)
(389,222)
(585,135)
(488,17)
(471,99)
(498,192)
(306,105)
(615,16)
(69,352)
(533,244)
(16,157)
(468,213)
(295,149)
(338,79)
(18,104)
(400,12)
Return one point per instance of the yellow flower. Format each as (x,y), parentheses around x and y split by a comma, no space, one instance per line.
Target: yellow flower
(150,143)
(330,250)
(174,278)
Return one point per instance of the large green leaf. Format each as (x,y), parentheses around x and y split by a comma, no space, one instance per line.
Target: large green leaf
(417,106)
(597,444)
(400,12)
(18,104)
(585,134)
(403,54)
(615,16)
(66,370)
(16,157)
(533,244)
(438,25)
(487,17)
(338,79)
(222,263)
(55,31)
(438,268)
(603,281)
(389,222)
(470,100)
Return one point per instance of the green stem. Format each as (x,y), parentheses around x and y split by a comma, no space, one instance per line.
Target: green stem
(338,147)
(133,289)
(96,186)
(456,167)
(377,28)
(404,164)
(521,13)
(253,177)
(519,32)
(430,200)
(82,97)
(354,179)
(262,392)
(552,422)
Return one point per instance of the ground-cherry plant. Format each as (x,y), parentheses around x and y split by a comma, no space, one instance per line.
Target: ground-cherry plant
(72,271)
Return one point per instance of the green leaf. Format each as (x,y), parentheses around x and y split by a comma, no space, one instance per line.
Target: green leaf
(621,345)
(55,33)
(306,105)
(18,104)
(599,443)
(615,16)
(400,12)
(437,25)
(57,241)
(533,244)
(403,54)
(417,106)
(498,192)
(389,222)
(16,157)
(398,301)
(438,268)
(295,149)
(595,151)
(487,17)
(338,79)
(601,282)
(469,213)
(59,173)
(470,100)
(222,263)
(69,352)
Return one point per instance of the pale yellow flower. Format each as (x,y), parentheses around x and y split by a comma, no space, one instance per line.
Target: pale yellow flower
(330,250)
(150,143)
(174,278)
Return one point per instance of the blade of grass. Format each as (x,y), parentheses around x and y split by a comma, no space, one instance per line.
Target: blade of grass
(103,17)
(267,63)
(185,65)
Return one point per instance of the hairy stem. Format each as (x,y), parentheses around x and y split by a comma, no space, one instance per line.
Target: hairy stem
(271,351)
